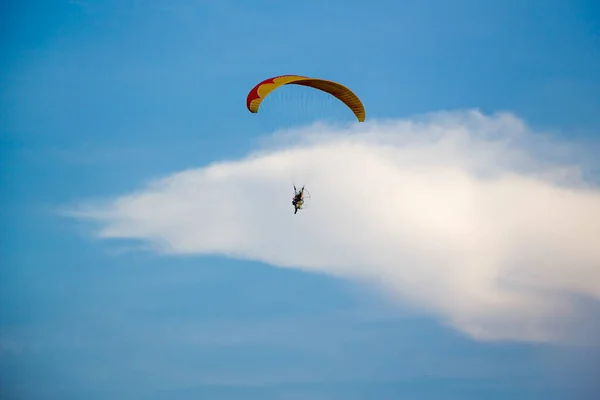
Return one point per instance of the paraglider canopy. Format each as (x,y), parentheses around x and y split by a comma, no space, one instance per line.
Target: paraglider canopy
(342,93)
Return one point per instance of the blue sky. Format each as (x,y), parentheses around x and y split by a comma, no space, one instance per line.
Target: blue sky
(99,99)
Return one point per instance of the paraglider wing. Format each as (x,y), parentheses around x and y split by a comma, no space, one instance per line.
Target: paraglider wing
(342,93)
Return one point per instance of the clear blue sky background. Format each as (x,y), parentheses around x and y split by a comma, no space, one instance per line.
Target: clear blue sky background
(98,97)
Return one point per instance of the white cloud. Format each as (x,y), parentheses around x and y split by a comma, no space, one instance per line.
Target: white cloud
(471,218)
